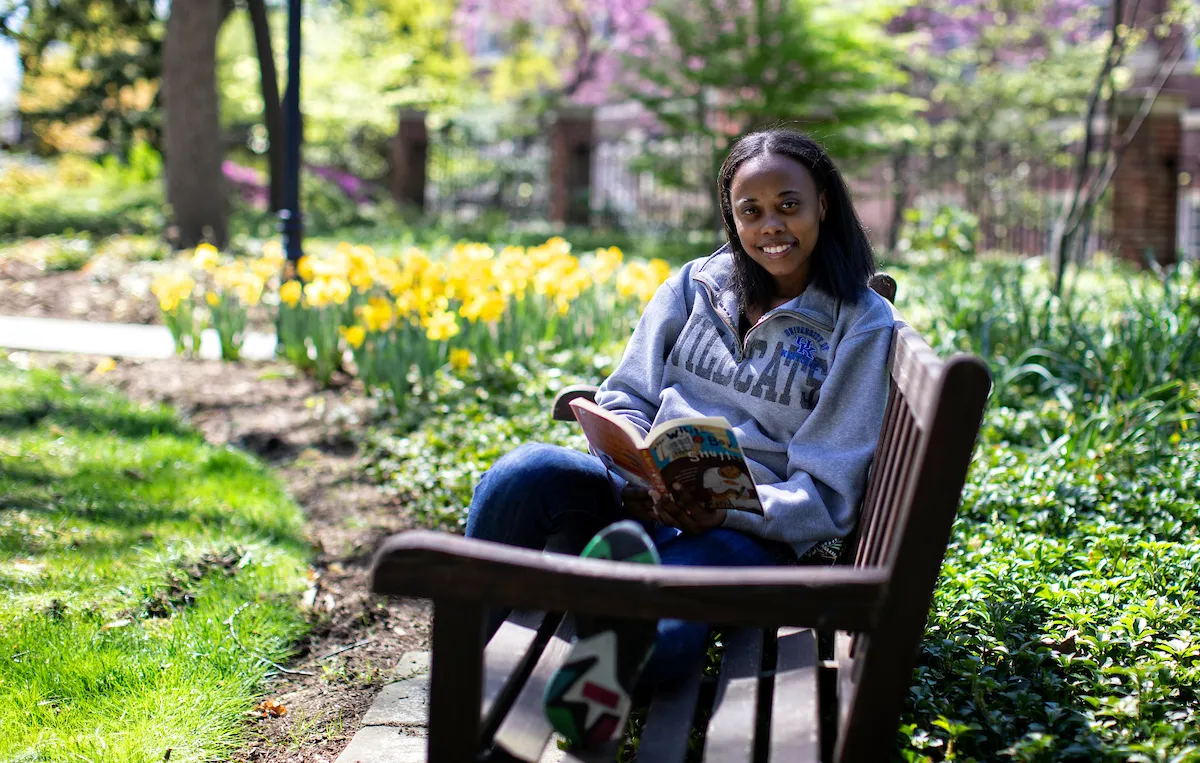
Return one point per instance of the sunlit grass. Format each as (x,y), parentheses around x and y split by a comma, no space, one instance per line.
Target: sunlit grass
(126,542)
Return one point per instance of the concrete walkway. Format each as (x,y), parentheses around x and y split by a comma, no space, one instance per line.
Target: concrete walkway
(395,729)
(118,340)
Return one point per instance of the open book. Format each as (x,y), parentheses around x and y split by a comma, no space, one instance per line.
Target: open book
(699,455)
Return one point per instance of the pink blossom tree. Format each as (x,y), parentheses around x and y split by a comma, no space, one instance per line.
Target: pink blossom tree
(566,51)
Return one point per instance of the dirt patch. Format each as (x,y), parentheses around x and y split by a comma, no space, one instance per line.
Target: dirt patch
(309,435)
(106,290)
(103,290)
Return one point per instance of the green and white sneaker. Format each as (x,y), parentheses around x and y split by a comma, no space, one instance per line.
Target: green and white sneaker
(588,697)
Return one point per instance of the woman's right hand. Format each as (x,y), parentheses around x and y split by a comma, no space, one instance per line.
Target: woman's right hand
(638,503)
(687,514)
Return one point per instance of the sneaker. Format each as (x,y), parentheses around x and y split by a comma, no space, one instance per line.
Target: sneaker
(588,698)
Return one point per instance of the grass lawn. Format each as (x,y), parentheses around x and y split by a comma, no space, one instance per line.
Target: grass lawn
(126,543)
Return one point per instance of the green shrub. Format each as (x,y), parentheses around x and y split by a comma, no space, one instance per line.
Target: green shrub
(101,210)
(1062,626)
(435,453)
(947,228)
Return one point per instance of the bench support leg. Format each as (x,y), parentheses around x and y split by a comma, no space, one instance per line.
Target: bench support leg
(455,691)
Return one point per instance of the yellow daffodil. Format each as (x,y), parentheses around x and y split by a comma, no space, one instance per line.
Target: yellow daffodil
(494,305)
(361,265)
(387,272)
(354,335)
(406,303)
(441,326)
(606,263)
(206,257)
(304,268)
(642,279)
(264,268)
(273,250)
(316,293)
(376,315)
(339,291)
(660,270)
(628,278)
(290,293)
(461,359)
(172,288)
(212,298)
(249,289)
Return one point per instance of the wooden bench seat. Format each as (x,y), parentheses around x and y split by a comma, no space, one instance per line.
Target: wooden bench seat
(817,659)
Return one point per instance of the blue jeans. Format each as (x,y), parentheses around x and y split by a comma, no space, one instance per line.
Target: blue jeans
(538,491)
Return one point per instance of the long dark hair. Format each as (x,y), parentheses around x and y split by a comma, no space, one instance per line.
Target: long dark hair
(842,260)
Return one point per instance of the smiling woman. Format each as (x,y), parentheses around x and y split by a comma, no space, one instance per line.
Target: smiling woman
(778,211)
(127,544)
(790,222)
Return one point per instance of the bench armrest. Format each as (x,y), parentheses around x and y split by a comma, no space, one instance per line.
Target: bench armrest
(561,410)
(443,566)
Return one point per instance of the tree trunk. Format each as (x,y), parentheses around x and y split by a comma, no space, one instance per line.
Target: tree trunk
(902,187)
(272,107)
(191,123)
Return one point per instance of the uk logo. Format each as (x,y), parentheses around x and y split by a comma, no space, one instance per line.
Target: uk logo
(806,350)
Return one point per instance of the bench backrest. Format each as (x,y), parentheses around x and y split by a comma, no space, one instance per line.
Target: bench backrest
(932,418)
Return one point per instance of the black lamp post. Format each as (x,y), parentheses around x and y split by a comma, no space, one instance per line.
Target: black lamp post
(291,223)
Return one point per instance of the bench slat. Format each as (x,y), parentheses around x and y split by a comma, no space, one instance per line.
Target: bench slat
(525,730)
(843,645)
(870,506)
(892,491)
(916,368)
(795,720)
(730,737)
(507,655)
(911,442)
(669,721)
(881,474)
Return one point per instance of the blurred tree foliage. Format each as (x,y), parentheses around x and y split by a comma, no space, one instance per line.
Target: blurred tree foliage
(364,60)
(92,70)
(1006,84)
(543,53)
(723,67)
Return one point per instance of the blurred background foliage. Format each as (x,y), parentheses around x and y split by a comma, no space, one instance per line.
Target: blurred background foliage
(877,80)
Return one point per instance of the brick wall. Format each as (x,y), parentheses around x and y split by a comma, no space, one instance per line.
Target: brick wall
(571,139)
(409,157)
(1145,187)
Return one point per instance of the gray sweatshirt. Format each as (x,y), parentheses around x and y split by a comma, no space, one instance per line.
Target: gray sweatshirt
(805,391)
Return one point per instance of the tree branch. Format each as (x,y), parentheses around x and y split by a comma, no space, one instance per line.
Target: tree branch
(1112,57)
(1164,73)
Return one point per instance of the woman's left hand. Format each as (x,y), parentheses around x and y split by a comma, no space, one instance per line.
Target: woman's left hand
(687,514)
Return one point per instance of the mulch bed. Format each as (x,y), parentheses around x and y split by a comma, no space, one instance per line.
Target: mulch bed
(104,290)
(309,436)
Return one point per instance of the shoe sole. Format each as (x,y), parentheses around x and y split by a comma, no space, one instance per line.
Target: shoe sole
(586,700)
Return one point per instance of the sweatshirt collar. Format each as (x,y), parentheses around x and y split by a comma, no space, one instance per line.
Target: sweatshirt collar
(716,273)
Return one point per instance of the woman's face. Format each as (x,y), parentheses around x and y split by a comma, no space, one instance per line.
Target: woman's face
(778,212)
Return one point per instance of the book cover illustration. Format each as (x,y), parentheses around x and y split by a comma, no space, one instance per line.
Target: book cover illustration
(707,462)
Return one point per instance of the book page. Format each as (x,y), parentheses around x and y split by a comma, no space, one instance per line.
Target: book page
(707,462)
(613,440)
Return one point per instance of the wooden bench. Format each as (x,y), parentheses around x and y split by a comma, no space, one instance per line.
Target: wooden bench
(782,693)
